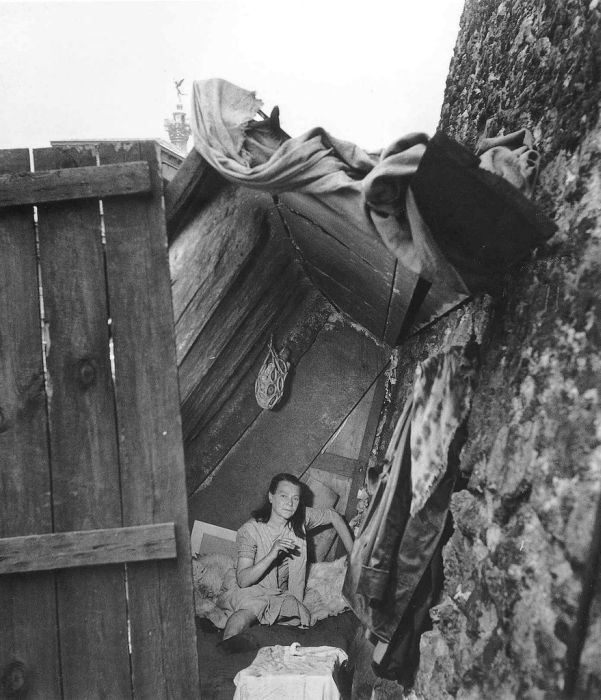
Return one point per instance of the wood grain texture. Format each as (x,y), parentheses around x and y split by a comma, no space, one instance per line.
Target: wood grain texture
(346,300)
(83,437)
(348,439)
(236,407)
(209,255)
(64,550)
(355,270)
(195,184)
(164,660)
(335,463)
(25,490)
(251,282)
(367,443)
(402,292)
(349,231)
(328,382)
(248,342)
(75,183)
(357,283)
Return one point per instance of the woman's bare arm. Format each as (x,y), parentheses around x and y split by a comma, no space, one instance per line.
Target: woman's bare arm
(249,572)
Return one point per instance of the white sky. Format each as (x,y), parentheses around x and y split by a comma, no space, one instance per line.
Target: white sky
(366,70)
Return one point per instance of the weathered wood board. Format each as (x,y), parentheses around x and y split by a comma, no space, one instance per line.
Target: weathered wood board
(348,439)
(83,433)
(65,550)
(403,288)
(208,255)
(25,494)
(193,186)
(84,182)
(163,657)
(324,210)
(92,441)
(361,311)
(353,284)
(252,286)
(297,327)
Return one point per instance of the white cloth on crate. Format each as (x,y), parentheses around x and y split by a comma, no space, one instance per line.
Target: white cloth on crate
(367,193)
(291,673)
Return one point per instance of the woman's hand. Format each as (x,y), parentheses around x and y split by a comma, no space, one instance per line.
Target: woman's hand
(249,572)
(284,545)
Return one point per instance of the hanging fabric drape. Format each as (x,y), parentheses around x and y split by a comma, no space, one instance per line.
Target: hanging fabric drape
(409,508)
(369,193)
(431,202)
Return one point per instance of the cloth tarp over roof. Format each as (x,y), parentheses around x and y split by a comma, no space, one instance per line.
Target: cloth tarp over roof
(369,194)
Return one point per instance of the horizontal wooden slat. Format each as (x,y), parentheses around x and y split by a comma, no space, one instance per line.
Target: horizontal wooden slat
(74,183)
(336,464)
(63,550)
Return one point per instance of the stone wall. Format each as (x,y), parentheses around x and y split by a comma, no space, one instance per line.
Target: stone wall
(515,565)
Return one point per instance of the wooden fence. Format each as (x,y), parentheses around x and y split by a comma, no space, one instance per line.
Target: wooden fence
(95,581)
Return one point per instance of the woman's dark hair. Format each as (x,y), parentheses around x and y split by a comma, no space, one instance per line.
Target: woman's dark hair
(262,514)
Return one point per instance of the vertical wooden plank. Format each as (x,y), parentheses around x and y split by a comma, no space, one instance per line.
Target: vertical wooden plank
(403,287)
(164,657)
(83,444)
(366,446)
(347,440)
(28,630)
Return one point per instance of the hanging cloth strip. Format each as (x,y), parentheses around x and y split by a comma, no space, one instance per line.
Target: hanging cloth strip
(397,541)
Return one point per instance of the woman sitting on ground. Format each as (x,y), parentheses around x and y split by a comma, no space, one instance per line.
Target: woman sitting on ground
(268,583)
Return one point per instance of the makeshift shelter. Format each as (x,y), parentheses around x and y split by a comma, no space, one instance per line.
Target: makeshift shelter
(267,251)
(252,273)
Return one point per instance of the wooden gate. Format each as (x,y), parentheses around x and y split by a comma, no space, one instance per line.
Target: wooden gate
(95,580)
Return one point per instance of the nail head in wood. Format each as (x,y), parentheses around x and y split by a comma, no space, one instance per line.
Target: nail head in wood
(86,373)
(13,682)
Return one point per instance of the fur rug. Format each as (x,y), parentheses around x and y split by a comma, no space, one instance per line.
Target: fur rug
(208,572)
(323,593)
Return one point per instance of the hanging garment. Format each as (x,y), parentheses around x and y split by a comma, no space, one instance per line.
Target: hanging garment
(442,397)
(401,658)
(513,157)
(397,542)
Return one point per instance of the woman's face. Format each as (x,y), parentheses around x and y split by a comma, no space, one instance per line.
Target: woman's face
(285,500)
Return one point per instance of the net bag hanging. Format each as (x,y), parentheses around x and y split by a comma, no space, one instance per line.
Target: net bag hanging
(269,385)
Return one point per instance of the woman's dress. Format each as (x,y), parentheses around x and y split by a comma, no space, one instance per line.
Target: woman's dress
(283,585)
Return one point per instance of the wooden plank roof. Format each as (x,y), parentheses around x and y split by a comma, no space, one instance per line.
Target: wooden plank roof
(351,268)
